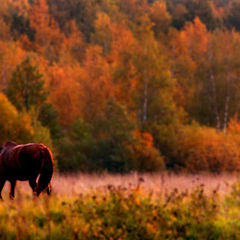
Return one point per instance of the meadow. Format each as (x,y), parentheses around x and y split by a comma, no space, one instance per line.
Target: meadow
(123,87)
(133,206)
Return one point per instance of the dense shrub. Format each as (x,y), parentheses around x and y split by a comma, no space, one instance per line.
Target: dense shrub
(114,151)
(205,149)
(143,155)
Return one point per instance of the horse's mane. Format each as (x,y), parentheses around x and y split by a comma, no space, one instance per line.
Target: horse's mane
(8,144)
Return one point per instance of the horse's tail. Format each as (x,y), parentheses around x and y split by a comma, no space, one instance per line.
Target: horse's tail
(46,170)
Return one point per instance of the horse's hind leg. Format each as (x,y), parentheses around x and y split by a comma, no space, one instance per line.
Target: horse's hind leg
(49,189)
(13,185)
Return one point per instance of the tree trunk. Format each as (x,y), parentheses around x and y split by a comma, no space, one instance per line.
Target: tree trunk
(227,100)
(214,101)
(145,100)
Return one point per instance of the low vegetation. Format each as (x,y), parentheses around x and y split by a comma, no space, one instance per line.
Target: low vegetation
(119,212)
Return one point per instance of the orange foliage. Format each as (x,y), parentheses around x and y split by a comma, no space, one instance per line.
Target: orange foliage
(233,129)
(124,46)
(96,83)
(145,138)
(160,17)
(26,44)
(5,33)
(205,149)
(234,126)
(195,37)
(143,153)
(10,56)
(48,37)
(20,6)
(73,42)
(65,92)
(191,43)
(188,49)
(218,12)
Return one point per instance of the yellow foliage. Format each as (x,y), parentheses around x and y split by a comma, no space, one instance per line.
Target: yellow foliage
(14,126)
(20,127)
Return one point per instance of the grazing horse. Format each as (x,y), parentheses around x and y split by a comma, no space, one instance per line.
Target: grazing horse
(26,162)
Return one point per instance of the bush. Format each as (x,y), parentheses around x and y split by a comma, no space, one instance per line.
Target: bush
(205,149)
(14,126)
(144,156)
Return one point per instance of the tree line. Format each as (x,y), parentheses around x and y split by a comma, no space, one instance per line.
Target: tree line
(123,85)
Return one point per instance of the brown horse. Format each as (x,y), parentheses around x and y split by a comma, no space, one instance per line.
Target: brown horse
(26,162)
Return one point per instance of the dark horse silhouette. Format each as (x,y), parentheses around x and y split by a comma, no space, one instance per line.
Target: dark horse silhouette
(26,162)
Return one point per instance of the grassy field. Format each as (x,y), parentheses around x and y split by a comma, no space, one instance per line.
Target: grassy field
(158,206)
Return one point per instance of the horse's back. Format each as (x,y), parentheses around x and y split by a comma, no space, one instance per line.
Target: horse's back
(29,156)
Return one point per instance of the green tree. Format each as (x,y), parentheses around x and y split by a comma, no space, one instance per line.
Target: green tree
(74,151)
(26,91)
(156,86)
(111,143)
(26,87)
(101,145)
(49,117)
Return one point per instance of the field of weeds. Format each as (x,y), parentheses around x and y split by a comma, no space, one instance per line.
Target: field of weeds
(158,206)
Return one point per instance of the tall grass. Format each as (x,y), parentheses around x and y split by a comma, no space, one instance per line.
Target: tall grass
(75,184)
(126,207)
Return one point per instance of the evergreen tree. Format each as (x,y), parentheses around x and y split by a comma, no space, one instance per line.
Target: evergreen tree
(26,87)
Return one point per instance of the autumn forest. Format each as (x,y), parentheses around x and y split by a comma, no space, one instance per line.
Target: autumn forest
(123,85)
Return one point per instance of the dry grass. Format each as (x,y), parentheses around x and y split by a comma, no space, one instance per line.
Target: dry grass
(75,184)
(113,213)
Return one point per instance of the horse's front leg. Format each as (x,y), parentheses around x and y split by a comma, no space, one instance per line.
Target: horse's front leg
(2,182)
(33,184)
(13,185)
